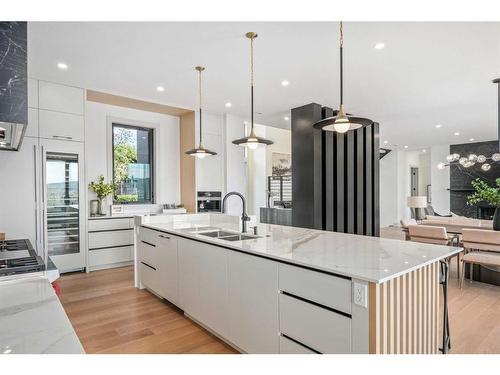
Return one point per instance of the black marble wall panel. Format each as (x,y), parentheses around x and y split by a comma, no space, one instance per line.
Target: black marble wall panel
(461,178)
(335,176)
(13,72)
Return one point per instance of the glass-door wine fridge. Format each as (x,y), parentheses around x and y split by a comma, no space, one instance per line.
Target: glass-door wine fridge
(63,204)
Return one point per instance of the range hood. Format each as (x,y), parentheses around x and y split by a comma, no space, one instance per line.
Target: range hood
(13,84)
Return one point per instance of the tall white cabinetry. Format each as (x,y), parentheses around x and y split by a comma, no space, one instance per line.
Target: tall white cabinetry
(49,171)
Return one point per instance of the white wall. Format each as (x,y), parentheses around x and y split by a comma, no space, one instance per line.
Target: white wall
(440,179)
(236,165)
(210,175)
(167,184)
(389,214)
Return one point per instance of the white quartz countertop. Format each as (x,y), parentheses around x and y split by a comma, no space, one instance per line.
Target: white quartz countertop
(32,319)
(372,259)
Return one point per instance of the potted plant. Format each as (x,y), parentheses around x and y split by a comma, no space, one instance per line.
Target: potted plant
(102,190)
(488,194)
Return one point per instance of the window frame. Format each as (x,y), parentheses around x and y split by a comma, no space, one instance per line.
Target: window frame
(152,142)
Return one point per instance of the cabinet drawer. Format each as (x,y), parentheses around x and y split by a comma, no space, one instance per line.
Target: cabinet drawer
(110,256)
(149,235)
(315,327)
(150,277)
(148,253)
(63,126)
(110,239)
(328,290)
(110,224)
(287,346)
(55,97)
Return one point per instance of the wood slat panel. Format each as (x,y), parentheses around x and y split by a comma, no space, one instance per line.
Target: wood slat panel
(404,313)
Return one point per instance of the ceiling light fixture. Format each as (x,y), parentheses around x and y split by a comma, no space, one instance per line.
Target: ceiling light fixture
(252,141)
(406,146)
(456,133)
(160,88)
(438,126)
(228,105)
(340,121)
(285,83)
(386,142)
(200,152)
(379,45)
(286,118)
(471,139)
(62,66)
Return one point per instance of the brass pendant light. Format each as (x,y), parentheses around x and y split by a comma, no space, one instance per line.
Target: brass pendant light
(200,152)
(342,122)
(252,141)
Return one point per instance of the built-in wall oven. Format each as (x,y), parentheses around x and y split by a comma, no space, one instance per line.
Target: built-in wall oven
(209,201)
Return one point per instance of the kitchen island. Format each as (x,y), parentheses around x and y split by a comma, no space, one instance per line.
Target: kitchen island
(294,290)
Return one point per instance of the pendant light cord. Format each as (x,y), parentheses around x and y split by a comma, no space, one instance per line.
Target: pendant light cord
(199,84)
(341,63)
(251,85)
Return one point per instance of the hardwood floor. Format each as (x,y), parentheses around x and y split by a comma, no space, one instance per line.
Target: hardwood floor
(111,316)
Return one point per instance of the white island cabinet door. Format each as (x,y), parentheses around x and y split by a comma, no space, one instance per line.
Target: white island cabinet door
(189,277)
(253,303)
(214,288)
(168,267)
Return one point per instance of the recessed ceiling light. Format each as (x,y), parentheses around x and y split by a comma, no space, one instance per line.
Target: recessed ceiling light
(285,83)
(456,133)
(160,89)
(286,118)
(386,142)
(379,45)
(424,150)
(471,139)
(228,105)
(406,146)
(62,66)
(438,126)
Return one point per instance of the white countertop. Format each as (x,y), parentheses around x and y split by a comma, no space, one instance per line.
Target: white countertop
(32,319)
(372,259)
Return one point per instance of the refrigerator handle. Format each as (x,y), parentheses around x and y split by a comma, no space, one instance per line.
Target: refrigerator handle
(42,184)
(36,196)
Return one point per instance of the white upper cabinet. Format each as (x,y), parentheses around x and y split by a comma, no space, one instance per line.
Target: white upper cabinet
(60,98)
(32,129)
(32,93)
(63,126)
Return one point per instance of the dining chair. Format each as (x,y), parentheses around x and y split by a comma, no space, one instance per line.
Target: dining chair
(434,235)
(481,247)
(404,224)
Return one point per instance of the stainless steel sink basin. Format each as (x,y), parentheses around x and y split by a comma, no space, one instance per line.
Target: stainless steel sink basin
(228,236)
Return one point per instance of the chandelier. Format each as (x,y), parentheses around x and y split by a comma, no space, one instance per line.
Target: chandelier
(470,161)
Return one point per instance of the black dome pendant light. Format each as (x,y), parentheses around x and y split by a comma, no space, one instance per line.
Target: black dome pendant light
(200,152)
(252,141)
(342,122)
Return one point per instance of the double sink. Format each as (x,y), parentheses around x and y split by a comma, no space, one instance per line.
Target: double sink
(222,234)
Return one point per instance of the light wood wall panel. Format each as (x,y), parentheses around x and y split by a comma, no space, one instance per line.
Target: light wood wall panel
(404,313)
(188,165)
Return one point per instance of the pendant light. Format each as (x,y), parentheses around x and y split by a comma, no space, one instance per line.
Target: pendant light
(342,122)
(252,141)
(200,152)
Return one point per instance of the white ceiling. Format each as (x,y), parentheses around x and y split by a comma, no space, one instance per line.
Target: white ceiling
(427,74)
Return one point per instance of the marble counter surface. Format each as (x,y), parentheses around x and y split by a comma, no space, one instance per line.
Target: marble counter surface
(372,259)
(32,319)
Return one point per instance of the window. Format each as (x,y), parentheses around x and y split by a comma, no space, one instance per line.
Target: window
(133,164)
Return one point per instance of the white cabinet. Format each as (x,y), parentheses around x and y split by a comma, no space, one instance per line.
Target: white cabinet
(110,242)
(63,126)
(158,263)
(60,98)
(214,288)
(253,303)
(32,129)
(189,277)
(32,93)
